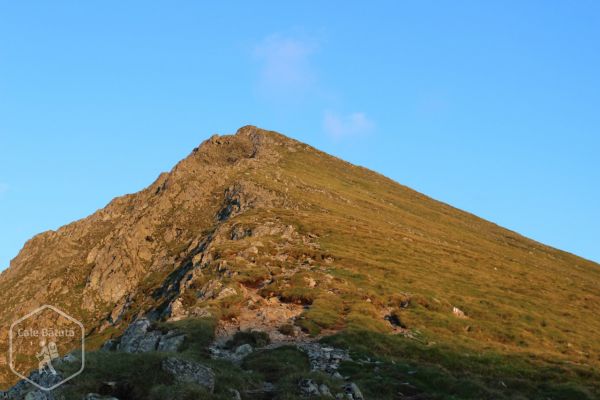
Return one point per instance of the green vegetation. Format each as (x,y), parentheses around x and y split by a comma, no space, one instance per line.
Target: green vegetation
(277,364)
(253,338)
(140,376)
(386,365)
(199,334)
(383,365)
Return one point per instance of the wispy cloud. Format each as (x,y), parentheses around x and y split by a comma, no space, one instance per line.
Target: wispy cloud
(288,75)
(285,65)
(340,126)
(3,189)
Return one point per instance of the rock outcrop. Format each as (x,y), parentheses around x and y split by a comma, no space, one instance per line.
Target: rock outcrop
(190,372)
(141,337)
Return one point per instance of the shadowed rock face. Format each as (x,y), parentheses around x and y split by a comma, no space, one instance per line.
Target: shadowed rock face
(260,231)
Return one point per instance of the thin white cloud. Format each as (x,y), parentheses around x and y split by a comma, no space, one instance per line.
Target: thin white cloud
(287,76)
(285,66)
(349,125)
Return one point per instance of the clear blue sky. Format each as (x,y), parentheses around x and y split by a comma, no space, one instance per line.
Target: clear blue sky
(493,107)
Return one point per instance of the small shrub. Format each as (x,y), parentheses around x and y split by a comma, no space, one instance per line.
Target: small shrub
(287,329)
(278,363)
(180,392)
(395,319)
(199,334)
(253,338)
(131,371)
(308,326)
(298,295)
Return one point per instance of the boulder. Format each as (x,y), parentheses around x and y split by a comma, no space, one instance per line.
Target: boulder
(184,371)
(353,391)
(37,395)
(110,345)
(96,396)
(18,391)
(148,342)
(309,388)
(322,358)
(324,389)
(70,358)
(235,395)
(243,350)
(138,338)
(458,312)
(171,341)
(45,380)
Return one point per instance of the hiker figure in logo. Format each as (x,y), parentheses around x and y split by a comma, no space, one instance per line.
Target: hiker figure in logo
(45,357)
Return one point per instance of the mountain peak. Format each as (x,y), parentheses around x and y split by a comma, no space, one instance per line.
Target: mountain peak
(258,231)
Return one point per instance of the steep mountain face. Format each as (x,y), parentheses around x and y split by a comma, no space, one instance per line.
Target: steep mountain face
(259,231)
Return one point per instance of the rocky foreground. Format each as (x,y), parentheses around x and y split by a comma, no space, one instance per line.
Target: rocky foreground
(143,336)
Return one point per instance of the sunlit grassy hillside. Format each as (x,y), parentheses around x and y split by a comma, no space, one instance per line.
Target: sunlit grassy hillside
(422,293)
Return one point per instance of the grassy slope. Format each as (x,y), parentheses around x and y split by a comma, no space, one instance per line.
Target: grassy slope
(531,309)
(389,240)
